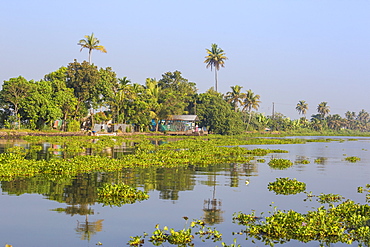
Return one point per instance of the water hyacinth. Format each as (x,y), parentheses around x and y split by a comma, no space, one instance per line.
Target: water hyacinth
(286,186)
(119,194)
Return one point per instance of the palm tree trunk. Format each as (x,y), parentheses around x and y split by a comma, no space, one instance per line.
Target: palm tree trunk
(249,120)
(90,52)
(216,84)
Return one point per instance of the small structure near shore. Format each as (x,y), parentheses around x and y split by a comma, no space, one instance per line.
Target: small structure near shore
(182,125)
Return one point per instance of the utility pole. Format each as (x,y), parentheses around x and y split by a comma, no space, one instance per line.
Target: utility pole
(273,110)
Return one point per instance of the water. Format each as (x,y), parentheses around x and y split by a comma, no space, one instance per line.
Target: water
(64,212)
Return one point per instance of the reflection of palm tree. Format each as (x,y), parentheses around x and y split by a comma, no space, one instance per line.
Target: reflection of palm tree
(215,58)
(212,207)
(91,43)
(87,229)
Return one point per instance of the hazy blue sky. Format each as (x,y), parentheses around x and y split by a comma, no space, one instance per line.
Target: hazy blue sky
(284,50)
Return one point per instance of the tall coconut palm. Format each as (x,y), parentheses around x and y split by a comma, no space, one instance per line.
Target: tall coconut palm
(235,97)
(251,101)
(323,109)
(91,43)
(215,58)
(302,107)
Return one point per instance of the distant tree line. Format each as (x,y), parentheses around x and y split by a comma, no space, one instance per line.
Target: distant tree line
(82,94)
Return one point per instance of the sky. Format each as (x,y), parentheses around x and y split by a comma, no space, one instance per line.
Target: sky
(283,50)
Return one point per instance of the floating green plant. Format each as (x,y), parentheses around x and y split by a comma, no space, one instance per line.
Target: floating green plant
(302,161)
(280,163)
(352,159)
(119,194)
(346,223)
(320,160)
(183,237)
(286,186)
(329,198)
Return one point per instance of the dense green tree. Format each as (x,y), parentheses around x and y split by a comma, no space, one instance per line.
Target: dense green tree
(215,58)
(40,106)
(13,95)
(302,107)
(335,122)
(171,95)
(63,96)
(91,43)
(363,118)
(217,115)
(84,79)
(235,97)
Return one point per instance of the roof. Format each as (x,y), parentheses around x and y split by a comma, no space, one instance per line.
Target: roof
(184,117)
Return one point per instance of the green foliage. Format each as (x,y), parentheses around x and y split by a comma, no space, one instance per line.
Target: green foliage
(119,194)
(286,186)
(217,115)
(345,223)
(320,160)
(183,237)
(352,159)
(73,126)
(280,164)
(329,198)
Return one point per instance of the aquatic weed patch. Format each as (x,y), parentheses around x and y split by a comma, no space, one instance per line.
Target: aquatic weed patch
(120,194)
(286,186)
(196,152)
(346,223)
(280,164)
(352,159)
(183,237)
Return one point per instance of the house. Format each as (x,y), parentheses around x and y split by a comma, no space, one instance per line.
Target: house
(181,124)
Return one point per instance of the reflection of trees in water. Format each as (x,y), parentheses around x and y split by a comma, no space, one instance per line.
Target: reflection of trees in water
(86,229)
(212,207)
(237,170)
(212,211)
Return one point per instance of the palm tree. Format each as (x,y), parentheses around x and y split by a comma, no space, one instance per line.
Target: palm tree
(323,109)
(251,101)
(215,58)
(351,117)
(91,43)
(235,97)
(302,107)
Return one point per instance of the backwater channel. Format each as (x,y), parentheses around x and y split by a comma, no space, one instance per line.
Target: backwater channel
(42,212)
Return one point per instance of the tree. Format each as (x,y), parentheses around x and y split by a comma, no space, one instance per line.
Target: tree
(13,93)
(251,101)
(217,115)
(350,117)
(116,102)
(91,43)
(215,58)
(235,97)
(363,118)
(63,96)
(40,107)
(84,79)
(171,95)
(323,109)
(335,122)
(302,107)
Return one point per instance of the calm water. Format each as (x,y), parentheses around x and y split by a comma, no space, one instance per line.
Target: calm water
(63,212)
